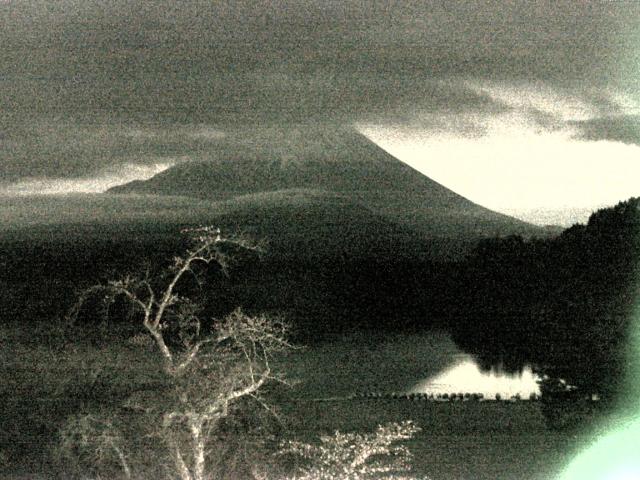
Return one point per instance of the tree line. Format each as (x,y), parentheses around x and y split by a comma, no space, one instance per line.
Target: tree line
(564,304)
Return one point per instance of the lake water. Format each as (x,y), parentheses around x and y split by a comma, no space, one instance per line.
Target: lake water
(428,362)
(465,376)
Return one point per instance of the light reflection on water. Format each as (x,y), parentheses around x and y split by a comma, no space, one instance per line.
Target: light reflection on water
(465,376)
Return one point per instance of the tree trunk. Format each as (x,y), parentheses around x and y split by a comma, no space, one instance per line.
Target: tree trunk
(198,449)
(181,466)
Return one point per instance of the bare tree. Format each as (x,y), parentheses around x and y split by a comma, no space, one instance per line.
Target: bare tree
(210,367)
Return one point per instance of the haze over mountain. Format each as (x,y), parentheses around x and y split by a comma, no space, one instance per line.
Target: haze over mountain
(329,170)
(92,87)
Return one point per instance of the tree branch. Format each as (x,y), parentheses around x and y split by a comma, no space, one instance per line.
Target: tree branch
(192,354)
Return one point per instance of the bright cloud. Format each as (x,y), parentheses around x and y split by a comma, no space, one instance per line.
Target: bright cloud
(98,183)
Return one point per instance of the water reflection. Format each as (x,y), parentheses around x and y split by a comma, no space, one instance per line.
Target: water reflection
(466,376)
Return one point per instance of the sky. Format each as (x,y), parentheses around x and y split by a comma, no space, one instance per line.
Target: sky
(547,159)
(526,107)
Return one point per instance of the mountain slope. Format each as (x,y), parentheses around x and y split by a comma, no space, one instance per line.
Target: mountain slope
(332,163)
(340,160)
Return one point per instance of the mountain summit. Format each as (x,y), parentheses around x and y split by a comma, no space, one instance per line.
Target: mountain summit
(335,172)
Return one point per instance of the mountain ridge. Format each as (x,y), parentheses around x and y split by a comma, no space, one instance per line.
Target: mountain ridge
(332,163)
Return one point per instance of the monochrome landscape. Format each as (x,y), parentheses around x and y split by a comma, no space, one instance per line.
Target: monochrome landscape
(314,240)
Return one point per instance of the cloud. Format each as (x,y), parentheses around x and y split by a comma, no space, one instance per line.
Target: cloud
(54,147)
(513,108)
(588,115)
(623,129)
(541,108)
(241,61)
(539,97)
(94,184)
(90,84)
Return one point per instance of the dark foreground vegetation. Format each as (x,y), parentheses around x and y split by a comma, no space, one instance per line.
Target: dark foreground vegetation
(563,305)
(46,382)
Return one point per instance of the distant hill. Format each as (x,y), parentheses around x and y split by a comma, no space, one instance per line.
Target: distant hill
(330,176)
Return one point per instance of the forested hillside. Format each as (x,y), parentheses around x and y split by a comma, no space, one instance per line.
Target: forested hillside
(566,304)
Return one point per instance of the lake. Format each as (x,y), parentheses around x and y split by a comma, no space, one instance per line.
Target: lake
(420,362)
